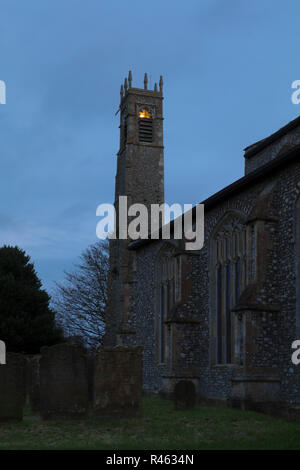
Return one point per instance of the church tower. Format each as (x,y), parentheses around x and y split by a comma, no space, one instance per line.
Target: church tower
(140,177)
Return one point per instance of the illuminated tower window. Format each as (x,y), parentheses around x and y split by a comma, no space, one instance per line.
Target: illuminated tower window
(144,114)
(145,126)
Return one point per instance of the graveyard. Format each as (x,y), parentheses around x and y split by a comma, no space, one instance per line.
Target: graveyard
(64,400)
(159,427)
(64,382)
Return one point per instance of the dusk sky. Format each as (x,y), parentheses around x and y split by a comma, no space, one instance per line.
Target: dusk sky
(227,65)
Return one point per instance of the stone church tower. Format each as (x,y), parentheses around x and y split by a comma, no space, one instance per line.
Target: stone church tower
(140,177)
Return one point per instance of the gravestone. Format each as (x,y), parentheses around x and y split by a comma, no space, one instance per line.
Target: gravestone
(63,382)
(12,388)
(118,382)
(184,395)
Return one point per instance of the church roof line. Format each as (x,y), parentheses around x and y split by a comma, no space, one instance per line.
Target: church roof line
(253,149)
(236,187)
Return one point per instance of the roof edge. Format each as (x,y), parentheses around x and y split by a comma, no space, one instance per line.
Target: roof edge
(232,189)
(253,149)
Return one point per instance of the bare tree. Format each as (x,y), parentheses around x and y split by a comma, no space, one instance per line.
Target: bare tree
(80,299)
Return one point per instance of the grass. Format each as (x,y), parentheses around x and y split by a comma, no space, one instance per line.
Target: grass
(160,428)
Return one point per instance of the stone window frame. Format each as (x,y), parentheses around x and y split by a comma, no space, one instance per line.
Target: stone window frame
(229,254)
(168,290)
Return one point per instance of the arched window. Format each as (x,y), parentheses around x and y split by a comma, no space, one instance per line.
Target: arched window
(169,290)
(297,236)
(228,276)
